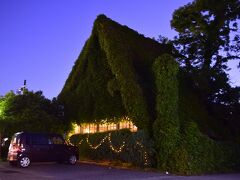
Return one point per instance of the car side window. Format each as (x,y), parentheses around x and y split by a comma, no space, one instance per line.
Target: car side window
(39,140)
(56,140)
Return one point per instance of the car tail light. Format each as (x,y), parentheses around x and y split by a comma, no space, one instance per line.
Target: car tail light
(14,148)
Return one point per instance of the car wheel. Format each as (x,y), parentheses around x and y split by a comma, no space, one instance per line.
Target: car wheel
(72,159)
(24,161)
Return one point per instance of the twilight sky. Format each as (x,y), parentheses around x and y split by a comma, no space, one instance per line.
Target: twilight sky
(41,39)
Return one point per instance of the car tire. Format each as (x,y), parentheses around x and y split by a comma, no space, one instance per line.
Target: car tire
(72,159)
(24,162)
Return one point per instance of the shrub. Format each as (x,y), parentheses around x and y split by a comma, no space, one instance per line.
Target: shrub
(138,149)
(197,153)
(166,126)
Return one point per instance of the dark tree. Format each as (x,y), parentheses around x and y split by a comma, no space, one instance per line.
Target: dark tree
(30,111)
(208,39)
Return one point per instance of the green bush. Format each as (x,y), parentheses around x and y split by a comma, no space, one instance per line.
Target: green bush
(198,154)
(166,126)
(137,147)
(178,130)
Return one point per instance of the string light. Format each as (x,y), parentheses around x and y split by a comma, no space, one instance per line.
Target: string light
(145,153)
(97,146)
(80,142)
(68,142)
(116,150)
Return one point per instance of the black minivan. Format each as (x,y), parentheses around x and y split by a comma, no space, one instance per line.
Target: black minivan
(40,147)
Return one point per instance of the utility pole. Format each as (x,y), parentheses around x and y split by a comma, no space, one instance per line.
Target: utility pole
(24,85)
(23,89)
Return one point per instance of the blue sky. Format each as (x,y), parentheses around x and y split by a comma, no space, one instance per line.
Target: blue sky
(41,39)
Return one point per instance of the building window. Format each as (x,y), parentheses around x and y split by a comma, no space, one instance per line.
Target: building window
(103,127)
(125,123)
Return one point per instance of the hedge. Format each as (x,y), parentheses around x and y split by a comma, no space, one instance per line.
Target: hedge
(138,148)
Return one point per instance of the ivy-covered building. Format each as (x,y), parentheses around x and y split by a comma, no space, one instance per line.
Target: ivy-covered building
(120,73)
(113,76)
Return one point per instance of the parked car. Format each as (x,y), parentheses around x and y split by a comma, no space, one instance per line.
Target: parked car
(40,147)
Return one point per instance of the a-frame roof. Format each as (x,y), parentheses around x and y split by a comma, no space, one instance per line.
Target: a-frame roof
(113,71)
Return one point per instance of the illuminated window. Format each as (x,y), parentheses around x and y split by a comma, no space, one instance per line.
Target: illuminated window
(125,123)
(103,127)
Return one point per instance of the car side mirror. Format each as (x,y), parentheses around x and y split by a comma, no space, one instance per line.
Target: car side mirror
(4,141)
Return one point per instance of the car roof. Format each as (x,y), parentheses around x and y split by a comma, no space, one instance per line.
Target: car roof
(37,133)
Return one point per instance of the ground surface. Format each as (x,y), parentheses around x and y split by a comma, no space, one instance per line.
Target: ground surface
(53,171)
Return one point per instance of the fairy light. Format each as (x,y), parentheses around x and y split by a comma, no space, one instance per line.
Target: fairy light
(114,149)
(80,142)
(111,146)
(97,146)
(68,142)
(145,153)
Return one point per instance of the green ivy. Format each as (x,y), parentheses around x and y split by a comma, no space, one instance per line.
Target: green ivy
(166,126)
(131,153)
(121,73)
(113,77)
